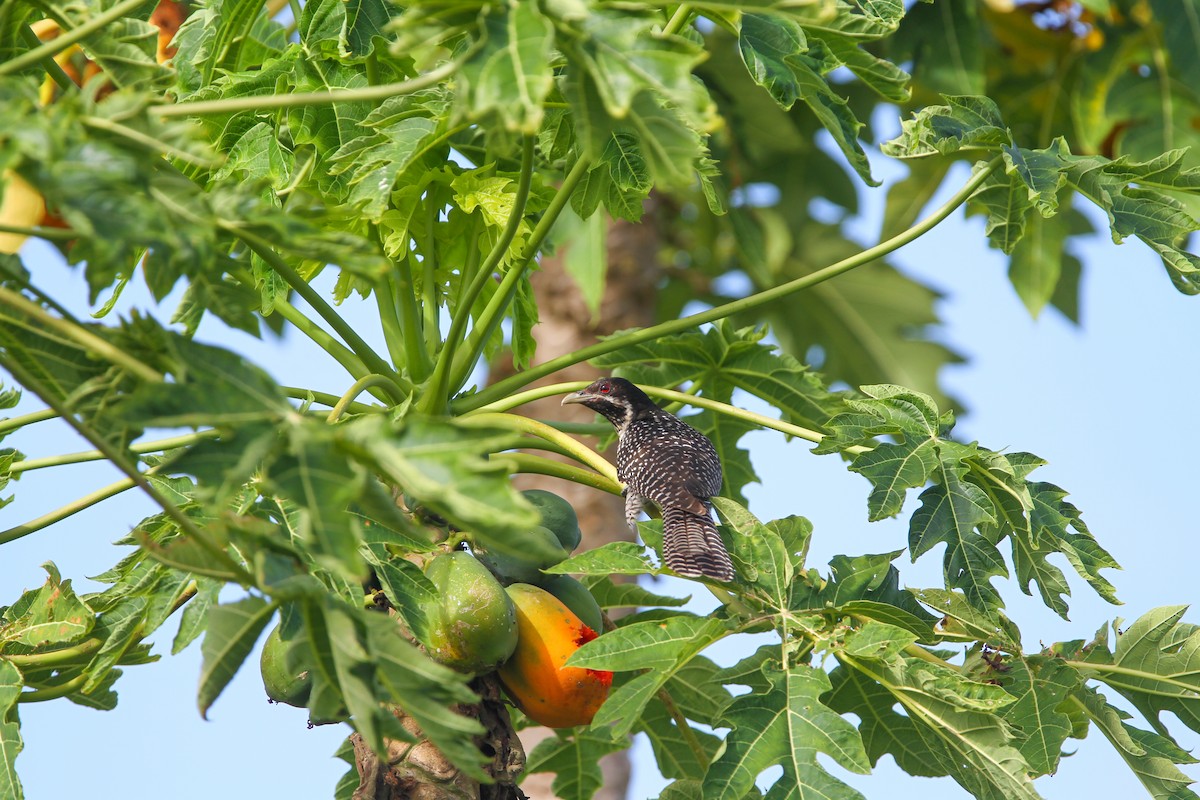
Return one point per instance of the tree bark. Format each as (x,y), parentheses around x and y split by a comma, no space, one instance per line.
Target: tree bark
(419,771)
(566,325)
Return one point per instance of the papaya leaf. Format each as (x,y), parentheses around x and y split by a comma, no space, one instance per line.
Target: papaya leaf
(50,615)
(660,646)
(672,749)
(952,511)
(614,558)
(787,725)
(1158,658)
(722,359)
(609,594)
(575,760)
(10,730)
(510,73)
(961,619)
(965,122)
(1151,756)
(427,691)
(233,628)
(1041,684)
(954,719)
(443,466)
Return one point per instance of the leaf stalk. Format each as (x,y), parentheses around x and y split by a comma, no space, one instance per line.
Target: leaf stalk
(511,384)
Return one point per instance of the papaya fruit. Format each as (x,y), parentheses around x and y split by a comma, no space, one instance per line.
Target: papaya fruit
(472,627)
(524,569)
(557,515)
(21,206)
(282,685)
(535,678)
(576,597)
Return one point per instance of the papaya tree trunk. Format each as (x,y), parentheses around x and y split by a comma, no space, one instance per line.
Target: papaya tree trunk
(419,771)
(566,325)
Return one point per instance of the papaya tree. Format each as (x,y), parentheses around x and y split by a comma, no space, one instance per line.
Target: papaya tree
(424,158)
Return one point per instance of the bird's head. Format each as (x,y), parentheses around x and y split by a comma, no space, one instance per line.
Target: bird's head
(615,398)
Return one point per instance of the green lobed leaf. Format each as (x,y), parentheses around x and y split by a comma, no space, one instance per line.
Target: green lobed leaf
(427,691)
(1159,661)
(661,647)
(444,466)
(954,511)
(722,359)
(510,74)
(10,730)
(406,588)
(233,628)
(50,615)
(965,122)
(610,594)
(194,619)
(788,725)
(316,476)
(760,552)
(892,469)
(961,619)
(575,760)
(614,558)
(656,645)
(954,719)
(1151,756)
(1041,685)
(673,749)
(883,730)
(344,30)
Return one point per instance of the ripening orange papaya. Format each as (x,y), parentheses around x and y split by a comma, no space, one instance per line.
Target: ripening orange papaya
(20,206)
(548,633)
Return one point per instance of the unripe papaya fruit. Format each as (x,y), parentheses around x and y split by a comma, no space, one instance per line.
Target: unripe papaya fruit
(473,625)
(549,693)
(282,685)
(576,597)
(557,515)
(518,569)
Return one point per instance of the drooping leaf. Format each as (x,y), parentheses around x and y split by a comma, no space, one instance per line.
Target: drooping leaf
(954,719)
(233,628)
(1151,756)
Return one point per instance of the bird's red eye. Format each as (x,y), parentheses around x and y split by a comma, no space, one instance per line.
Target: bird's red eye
(605,388)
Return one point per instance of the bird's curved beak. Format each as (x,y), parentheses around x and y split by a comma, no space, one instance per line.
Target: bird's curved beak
(581,396)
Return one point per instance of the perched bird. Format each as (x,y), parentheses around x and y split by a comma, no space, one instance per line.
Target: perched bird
(664,460)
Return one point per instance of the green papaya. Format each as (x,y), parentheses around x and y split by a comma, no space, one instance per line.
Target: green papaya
(524,569)
(282,685)
(472,626)
(557,515)
(575,596)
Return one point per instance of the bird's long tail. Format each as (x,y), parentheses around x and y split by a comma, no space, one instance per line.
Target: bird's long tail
(692,547)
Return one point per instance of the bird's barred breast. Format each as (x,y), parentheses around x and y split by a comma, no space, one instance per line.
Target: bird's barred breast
(669,462)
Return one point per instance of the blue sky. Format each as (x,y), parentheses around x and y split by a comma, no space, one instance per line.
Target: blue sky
(1107,404)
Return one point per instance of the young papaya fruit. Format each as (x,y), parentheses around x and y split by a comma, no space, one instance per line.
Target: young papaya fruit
(525,569)
(576,597)
(535,677)
(557,515)
(472,626)
(282,685)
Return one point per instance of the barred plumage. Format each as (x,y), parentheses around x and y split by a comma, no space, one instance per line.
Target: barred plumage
(666,461)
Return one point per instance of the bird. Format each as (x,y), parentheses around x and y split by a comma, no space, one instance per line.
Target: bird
(664,460)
